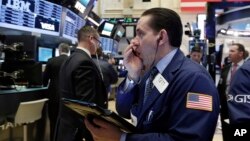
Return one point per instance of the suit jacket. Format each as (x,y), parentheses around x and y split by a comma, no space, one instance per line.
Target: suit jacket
(222,86)
(165,117)
(79,79)
(52,73)
(239,111)
(109,74)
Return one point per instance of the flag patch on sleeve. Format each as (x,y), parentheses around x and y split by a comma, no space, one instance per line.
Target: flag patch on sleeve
(199,101)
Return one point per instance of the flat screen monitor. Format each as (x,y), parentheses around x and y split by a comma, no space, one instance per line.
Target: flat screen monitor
(107,29)
(107,44)
(44,54)
(119,32)
(94,20)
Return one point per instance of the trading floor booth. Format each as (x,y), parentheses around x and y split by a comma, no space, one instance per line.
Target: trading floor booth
(9,103)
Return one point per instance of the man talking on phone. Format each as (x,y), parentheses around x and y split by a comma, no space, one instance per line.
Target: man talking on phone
(167,96)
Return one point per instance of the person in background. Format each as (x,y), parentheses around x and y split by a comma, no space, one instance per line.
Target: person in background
(51,77)
(107,71)
(111,61)
(167,96)
(196,54)
(236,55)
(80,79)
(238,102)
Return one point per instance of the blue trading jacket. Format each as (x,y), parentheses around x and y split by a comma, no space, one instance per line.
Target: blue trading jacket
(165,117)
(239,102)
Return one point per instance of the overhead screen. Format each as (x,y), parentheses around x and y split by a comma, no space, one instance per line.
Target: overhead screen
(81,5)
(107,29)
(31,15)
(109,45)
(71,24)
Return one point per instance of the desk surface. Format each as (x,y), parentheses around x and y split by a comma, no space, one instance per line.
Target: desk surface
(21,90)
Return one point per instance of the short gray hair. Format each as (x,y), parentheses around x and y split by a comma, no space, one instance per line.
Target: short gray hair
(63,47)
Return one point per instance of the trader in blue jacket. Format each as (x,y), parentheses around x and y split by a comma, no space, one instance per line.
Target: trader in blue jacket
(167,96)
(239,98)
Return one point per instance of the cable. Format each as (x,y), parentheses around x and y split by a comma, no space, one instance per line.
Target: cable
(152,65)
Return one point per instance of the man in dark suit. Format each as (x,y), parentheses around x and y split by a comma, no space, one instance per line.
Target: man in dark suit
(236,55)
(167,96)
(51,76)
(80,79)
(106,69)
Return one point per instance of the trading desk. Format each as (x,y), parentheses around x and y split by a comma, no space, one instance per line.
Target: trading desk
(9,102)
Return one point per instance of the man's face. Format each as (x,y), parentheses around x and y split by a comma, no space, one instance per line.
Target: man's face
(146,41)
(95,44)
(196,56)
(234,54)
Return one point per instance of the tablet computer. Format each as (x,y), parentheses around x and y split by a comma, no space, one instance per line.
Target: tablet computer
(91,109)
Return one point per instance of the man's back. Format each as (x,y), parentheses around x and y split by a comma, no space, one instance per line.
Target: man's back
(53,68)
(81,80)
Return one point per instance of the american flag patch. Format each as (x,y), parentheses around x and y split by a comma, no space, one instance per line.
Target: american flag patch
(199,101)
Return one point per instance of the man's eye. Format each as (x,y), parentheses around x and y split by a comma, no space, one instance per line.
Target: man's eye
(140,34)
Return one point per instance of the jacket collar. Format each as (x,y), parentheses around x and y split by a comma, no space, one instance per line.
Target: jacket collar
(85,50)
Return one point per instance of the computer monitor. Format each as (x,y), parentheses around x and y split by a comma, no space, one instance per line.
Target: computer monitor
(81,5)
(119,32)
(107,44)
(107,29)
(44,54)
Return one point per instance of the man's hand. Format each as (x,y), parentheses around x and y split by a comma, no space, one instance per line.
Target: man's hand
(104,132)
(132,60)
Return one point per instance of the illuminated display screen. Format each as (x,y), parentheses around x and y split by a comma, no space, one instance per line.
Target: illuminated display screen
(72,24)
(107,44)
(107,29)
(44,54)
(31,15)
(84,2)
(81,5)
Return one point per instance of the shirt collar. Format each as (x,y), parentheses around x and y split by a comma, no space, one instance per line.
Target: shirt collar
(239,63)
(163,63)
(85,50)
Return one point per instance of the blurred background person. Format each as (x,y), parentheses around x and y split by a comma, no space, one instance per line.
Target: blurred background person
(236,56)
(106,69)
(196,55)
(51,77)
